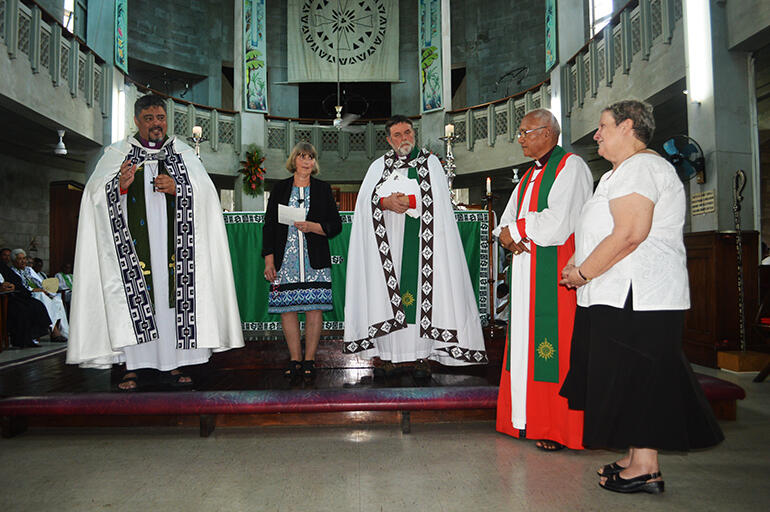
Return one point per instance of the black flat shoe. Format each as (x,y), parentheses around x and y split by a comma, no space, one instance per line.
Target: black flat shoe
(308,370)
(292,370)
(610,469)
(640,483)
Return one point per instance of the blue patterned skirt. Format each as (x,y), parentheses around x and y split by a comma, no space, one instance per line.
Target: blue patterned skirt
(298,286)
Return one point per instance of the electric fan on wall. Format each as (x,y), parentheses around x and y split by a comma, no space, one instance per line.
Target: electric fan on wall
(687,158)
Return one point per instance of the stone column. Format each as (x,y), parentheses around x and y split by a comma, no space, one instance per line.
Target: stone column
(571,38)
(432,125)
(718,112)
(252,125)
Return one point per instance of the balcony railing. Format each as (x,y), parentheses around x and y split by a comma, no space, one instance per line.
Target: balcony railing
(367,141)
(221,128)
(498,119)
(630,35)
(50,49)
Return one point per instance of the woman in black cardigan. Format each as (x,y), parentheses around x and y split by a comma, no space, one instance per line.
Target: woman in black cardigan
(297,257)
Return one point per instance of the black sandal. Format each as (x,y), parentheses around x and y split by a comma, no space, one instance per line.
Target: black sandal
(548,445)
(610,469)
(174,380)
(308,369)
(292,369)
(128,379)
(617,483)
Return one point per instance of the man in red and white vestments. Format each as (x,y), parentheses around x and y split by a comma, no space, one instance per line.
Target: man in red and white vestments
(537,227)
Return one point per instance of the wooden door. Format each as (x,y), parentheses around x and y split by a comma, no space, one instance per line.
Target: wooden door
(63,223)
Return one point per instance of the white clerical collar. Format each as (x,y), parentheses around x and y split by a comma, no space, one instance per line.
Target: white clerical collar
(149,145)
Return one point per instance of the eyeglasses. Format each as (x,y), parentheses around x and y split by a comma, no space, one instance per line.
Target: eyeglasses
(524,133)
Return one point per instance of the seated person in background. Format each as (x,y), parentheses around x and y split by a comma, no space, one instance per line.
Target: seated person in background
(52,302)
(37,266)
(27,317)
(65,283)
(5,256)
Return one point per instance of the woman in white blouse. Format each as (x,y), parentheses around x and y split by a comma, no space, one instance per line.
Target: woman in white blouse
(627,369)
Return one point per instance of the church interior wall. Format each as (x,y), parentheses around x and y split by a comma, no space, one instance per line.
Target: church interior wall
(283,99)
(99,29)
(175,35)
(25,204)
(491,38)
(53,7)
(748,21)
(405,95)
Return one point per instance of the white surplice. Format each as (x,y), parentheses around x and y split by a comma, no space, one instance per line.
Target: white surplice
(102,331)
(549,227)
(367,299)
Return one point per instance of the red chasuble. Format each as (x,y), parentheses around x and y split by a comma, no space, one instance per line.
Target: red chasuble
(551,316)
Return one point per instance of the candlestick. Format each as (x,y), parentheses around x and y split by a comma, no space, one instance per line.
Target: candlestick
(449,165)
(196,139)
(489,186)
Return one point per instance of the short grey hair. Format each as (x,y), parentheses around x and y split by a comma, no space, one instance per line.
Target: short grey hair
(640,114)
(16,252)
(546,117)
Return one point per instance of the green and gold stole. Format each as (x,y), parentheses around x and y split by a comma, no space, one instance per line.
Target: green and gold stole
(410,257)
(544,282)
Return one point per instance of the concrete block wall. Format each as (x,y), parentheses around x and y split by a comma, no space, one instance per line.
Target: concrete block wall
(282,99)
(405,95)
(194,37)
(491,37)
(24,203)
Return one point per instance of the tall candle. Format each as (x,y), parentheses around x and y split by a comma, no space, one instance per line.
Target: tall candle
(489,186)
(449,130)
(197,132)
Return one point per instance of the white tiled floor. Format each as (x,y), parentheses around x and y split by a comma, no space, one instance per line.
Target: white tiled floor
(446,467)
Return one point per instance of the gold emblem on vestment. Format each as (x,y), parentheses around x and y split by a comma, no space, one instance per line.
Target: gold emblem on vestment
(545,349)
(408,299)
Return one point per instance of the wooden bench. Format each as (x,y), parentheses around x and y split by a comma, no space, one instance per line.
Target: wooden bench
(208,404)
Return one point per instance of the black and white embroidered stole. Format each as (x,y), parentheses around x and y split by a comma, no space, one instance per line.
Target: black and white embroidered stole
(134,286)
(398,321)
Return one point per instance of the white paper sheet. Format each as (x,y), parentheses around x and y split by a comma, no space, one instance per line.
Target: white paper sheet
(289,215)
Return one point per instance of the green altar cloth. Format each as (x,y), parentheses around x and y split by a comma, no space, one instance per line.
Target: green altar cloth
(244,233)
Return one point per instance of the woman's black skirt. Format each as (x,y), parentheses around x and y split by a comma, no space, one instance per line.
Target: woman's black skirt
(630,376)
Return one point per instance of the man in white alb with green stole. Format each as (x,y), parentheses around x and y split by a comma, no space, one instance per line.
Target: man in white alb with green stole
(155,284)
(538,226)
(408,292)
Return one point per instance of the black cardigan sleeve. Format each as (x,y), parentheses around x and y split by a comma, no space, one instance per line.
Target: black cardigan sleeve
(271,223)
(332,222)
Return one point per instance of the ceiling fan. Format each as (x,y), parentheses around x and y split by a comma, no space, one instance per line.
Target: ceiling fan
(60,149)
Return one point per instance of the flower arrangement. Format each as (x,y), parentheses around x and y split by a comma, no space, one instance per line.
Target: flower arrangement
(253,172)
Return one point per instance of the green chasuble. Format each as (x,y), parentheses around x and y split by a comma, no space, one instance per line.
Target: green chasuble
(136,211)
(544,278)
